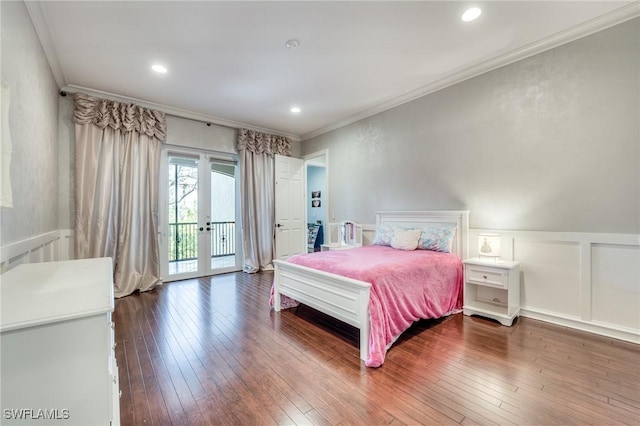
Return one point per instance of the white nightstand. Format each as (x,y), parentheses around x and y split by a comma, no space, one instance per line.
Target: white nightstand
(329,247)
(492,289)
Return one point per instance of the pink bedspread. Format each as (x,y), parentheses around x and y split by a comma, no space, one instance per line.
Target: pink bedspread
(405,287)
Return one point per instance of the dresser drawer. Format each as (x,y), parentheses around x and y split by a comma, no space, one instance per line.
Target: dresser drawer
(487,276)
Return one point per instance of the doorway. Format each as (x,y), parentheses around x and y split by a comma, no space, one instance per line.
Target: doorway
(199,213)
(317,198)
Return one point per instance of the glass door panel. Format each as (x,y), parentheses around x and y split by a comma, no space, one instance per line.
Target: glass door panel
(200,210)
(182,240)
(223,214)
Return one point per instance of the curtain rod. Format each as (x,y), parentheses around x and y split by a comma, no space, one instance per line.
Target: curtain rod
(174,112)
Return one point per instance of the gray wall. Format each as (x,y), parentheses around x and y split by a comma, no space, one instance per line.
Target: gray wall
(551,143)
(66,174)
(33,121)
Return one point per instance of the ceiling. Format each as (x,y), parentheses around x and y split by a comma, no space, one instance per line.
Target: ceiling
(228,64)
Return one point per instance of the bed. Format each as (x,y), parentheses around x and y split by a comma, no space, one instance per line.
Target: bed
(348,297)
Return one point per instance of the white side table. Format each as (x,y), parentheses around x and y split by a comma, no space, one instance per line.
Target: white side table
(329,247)
(492,289)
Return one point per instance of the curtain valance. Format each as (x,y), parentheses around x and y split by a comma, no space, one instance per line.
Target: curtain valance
(117,115)
(263,143)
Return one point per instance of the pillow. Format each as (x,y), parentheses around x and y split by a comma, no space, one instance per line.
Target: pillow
(384,234)
(406,239)
(437,238)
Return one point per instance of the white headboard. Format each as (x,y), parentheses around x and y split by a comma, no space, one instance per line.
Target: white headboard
(410,219)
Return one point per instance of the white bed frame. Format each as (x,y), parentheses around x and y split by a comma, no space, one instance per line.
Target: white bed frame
(347,299)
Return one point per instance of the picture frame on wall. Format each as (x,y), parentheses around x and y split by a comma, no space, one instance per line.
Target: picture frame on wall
(315,203)
(315,194)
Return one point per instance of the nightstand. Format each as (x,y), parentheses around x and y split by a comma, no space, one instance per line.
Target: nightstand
(492,289)
(329,247)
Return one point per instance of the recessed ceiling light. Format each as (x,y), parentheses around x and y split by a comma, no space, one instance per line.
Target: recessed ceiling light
(471,14)
(295,109)
(159,68)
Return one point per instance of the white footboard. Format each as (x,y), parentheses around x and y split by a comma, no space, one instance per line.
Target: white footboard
(342,298)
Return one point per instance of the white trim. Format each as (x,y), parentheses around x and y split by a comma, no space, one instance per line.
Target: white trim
(592,26)
(618,16)
(585,281)
(47,247)
(39,20)
(580,315)
(309,161)
(26,246)
(602,329)
(67,249)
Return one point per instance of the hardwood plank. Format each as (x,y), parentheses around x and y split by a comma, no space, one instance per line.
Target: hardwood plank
(210,351)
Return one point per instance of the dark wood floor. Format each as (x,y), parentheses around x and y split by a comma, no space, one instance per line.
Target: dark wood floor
(210,351)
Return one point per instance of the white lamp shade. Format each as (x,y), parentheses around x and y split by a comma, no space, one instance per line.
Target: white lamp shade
(489,245)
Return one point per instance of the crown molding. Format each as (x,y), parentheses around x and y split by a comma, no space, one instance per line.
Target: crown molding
(176,112)
(592,26)
(618,16)
(38,18)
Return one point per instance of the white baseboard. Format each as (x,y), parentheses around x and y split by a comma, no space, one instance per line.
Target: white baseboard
(602,329)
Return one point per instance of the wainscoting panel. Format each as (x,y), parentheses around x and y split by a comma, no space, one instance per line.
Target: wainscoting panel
(586,281)
(615,292)
(552,268)
(49,247)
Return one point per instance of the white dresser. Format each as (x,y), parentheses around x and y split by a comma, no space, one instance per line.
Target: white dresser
(58,363)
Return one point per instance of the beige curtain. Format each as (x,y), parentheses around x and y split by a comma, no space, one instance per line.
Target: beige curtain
(117,162)
(257,188)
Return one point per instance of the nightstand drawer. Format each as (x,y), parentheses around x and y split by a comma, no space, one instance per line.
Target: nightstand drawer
(486,276)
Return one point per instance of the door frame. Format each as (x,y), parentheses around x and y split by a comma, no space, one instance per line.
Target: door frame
(204,244)
(312,159)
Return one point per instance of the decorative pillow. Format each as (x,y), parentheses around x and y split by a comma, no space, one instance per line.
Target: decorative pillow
(437,238)
(384,234)
(406,239)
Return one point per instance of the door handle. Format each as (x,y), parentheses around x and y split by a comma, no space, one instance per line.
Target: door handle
(278,225)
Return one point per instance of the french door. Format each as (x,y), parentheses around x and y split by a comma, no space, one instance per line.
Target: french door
(199,214)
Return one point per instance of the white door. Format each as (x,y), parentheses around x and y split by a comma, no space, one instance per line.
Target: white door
(199,211)
(290,226)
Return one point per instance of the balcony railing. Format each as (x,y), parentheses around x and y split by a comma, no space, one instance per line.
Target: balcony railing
(223,239)
(183,239)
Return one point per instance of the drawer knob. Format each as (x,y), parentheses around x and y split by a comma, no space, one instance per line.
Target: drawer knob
(484,276)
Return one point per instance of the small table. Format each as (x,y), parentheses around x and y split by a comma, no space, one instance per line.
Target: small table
(329,247)
(492,289)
